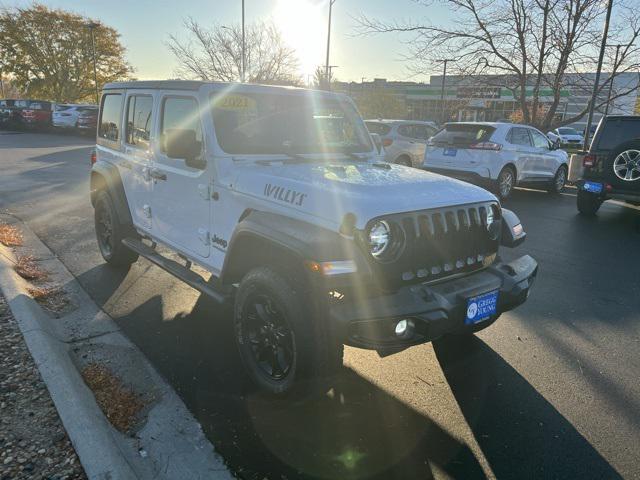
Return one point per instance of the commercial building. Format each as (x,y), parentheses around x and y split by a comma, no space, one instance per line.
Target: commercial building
(474,99)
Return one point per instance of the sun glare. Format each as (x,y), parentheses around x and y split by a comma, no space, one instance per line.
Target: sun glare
(303,26)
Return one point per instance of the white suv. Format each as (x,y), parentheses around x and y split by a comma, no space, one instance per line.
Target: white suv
(281,195)
(404,141)
(498,156)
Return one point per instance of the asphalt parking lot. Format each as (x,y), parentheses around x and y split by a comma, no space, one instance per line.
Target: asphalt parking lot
(550,391)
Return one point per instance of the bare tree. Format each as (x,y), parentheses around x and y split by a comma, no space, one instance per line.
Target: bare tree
(536,49)
(216,54)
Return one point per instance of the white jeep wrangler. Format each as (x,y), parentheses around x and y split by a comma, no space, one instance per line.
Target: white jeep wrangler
(283,196)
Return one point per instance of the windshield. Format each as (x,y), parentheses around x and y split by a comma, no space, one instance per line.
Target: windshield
(288,123)
(568,131)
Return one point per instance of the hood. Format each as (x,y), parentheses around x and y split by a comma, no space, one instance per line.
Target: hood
(368,190)
(571,137)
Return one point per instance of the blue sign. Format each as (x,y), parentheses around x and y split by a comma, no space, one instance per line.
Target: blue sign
(450,152)
(592,187)
(481,307)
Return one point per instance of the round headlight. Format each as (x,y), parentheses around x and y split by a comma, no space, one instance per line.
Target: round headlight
(489,217)
(379,238)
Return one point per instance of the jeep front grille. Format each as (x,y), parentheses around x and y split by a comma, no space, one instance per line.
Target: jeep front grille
(442,242)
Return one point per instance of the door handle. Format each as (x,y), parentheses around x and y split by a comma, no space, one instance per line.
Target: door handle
(156,174)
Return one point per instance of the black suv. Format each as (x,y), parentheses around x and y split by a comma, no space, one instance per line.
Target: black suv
(612,165)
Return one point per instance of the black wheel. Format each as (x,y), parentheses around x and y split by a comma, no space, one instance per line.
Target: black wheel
(280,338)
(505,183)
(559,180)
(110,232)
(403,160)
(588,203)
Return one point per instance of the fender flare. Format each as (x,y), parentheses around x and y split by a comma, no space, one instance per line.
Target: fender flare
(300,239)
(106,175)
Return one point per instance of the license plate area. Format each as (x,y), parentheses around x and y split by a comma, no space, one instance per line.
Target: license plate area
(592,187)
(450,152)
(481,307)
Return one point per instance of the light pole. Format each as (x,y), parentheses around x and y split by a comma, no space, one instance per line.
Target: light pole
(615,65)
(327,66)
(445,61)
(242,77)
(92,26)
(592,103)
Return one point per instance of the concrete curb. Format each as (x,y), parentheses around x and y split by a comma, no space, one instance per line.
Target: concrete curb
(169,445)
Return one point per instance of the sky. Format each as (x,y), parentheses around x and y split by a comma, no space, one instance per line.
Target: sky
(144,26)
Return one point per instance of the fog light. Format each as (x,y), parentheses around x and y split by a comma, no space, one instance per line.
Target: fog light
(404,327)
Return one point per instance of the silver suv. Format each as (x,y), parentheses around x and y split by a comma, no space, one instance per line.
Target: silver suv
(404,141)
(281,195)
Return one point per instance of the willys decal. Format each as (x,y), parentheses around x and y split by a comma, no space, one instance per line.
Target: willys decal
(284,194)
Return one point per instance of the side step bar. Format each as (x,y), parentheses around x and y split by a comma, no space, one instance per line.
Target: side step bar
(174,268)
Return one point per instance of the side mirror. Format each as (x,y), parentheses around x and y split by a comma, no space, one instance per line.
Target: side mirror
(513,233)
(182,144)
(377,141)
(555,145)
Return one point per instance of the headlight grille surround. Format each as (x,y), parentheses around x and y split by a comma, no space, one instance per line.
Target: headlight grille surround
(432,244)
(395,244)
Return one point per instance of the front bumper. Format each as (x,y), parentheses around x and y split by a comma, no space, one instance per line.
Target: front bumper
(434,310)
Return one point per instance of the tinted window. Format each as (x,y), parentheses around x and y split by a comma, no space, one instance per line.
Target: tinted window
(463,134)
(139,110)
(180,113)
(306,122)
(519,136)
(110,117)
(377,127)
(617,131)
(568,131)
(539,140)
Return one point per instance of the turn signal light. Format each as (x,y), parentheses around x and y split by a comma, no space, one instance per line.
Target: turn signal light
(94,157)
(386,142)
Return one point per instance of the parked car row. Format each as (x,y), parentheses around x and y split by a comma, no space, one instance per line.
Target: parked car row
(501,156)
(44,115)
(495,155)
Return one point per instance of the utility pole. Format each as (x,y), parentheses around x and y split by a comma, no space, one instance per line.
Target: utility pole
(445,61)
(327,68)
(92,26)
(592,103)
(615,65)
(242,76)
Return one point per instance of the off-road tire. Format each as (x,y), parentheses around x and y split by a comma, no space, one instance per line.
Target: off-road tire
(588,203)
(556,186)
(110,243)
(506,175)
(315,353)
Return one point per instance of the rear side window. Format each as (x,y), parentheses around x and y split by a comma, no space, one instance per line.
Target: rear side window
(617,131)
(110,117)
(463,134)
(180,113)
(139,109)
(539,140)
(519,136)
(377,127)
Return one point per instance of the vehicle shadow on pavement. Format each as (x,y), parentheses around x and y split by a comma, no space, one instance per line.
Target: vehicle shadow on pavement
(519,432)
(356,431)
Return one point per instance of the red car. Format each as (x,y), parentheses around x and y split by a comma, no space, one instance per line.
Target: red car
(36,114)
